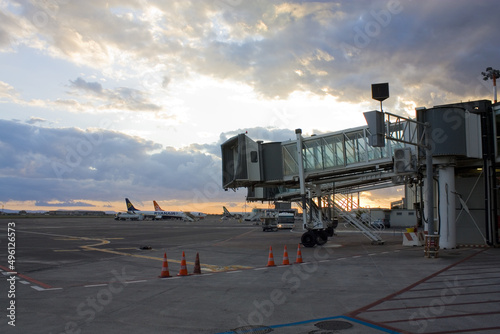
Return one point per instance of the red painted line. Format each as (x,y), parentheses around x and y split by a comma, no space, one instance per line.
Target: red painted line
(472,330)
(443,317)
(450,304)
(438,296)
(459,287)
(488,272)
(32,280)
(462,280)
(391,296)
(477,267)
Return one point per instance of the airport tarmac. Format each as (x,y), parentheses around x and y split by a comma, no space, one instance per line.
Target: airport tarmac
(98,275)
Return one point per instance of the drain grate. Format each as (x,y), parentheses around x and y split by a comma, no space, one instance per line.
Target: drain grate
(333,325)
(252,330)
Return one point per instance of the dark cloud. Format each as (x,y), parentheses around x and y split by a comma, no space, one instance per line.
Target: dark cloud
(68,165)
(431,52)
(119,98)
(64,204)
(72,166)
(93,87)
(35,120)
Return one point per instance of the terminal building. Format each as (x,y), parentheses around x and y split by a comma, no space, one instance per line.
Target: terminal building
(321,172)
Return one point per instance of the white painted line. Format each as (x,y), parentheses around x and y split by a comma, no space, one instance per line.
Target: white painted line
(371,254)
(38,288)
(94,285)
(235,271)
(341,258)
(261,268)
(385,252)
(324,261)
(131,282)
(51,289)
(356,256)
(24,282)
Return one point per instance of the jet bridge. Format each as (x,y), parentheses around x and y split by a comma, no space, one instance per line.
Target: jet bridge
(343,162)
(343,157)
(332,162)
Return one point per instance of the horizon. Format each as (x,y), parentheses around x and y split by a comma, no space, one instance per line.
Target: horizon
(381,201)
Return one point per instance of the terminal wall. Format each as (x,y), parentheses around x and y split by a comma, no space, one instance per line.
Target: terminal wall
(470,225)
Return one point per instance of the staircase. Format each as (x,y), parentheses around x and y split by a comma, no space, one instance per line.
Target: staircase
(255,215)
(319,220)
(342,202)
(188,217)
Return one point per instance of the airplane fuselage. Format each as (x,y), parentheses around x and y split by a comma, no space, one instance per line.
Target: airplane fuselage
(129,215)
(161,214)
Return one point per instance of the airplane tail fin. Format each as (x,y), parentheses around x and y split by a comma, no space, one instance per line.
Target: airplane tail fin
(130,206)
(157,207)
(226,211)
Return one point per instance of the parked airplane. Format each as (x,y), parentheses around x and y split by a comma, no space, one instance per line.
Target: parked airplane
(197,214)
(157,214)
(131,216)
(228,214)
(192,214)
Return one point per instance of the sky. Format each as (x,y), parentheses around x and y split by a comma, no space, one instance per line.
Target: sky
(102,100)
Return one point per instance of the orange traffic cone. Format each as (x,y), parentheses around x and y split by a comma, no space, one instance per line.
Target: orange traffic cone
(285,257)
(164,268)
(299,256)
(270,260)
(183,271)
(197,267)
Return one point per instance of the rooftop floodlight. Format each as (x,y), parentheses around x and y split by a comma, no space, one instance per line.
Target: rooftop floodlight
(380,92)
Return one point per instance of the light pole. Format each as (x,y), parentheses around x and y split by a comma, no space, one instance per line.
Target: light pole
(493,74)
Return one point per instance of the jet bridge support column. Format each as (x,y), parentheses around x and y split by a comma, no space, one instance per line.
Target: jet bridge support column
(429,181)
(300,162)
(447,221)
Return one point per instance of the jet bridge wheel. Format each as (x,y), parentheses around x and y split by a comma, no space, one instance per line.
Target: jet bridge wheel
(321,237)
(308,239)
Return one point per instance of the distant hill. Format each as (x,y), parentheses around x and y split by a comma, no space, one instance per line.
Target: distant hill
(14,212)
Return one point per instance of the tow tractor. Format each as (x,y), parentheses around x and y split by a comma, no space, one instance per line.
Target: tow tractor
(269,221)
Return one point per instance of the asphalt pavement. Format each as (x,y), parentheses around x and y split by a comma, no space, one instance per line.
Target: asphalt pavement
(98,275)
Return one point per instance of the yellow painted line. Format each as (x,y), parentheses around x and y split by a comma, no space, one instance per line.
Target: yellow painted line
(232,238)
(101,242)
(208,266)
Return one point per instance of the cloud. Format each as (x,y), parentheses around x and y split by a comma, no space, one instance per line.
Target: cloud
(325,47)
(93,87)
(68,164)
(73,166)
(120,98)
(7,92)
(35,120)
(64,204)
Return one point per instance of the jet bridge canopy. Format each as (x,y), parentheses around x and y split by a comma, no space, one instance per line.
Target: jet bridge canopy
(246,163)
(341,155)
